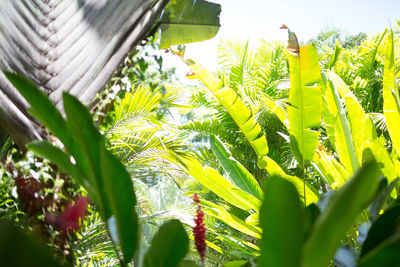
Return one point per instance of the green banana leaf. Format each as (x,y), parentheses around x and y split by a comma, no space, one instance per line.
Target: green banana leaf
(275,170)
(241,177)
(338,128)
(305,97)
(223,215)
(361,125)
(107,181)
(329,168)
(215,182)
(169,246)
(391,102)
(342,210)
(187,21)
(248,125)
(282,224)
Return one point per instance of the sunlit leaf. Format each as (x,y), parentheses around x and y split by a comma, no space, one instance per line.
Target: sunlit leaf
(342,210)
(186,21)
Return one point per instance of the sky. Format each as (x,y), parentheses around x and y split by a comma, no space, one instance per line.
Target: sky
(261,19)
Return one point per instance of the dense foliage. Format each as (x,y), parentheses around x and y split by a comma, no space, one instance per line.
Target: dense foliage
(292,160)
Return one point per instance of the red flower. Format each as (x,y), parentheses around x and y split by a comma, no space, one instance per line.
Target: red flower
(69,219)
(199,231)
(28,191)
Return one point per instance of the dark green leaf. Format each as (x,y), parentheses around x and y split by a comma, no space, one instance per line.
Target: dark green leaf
(342,210)
(41,107)
(310,214)
(383,195)
(386,254)
(384,227)
(19,249)
(282,223)
(168,247)
(114,197)
(86,151)
(186,21)
(122,201)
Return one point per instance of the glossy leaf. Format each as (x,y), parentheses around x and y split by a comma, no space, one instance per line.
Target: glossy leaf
(338,128)
(304,111)
(90,142)
(237,172)
(391,100)
(186,21)
(342,210)
(282,223)
(122,200)
(168,247)
(386,254)
(384,227)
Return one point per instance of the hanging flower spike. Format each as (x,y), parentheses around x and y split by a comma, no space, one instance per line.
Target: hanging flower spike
(199,231)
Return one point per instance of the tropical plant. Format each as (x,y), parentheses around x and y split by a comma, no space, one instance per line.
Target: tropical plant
(102,175)
(79,54)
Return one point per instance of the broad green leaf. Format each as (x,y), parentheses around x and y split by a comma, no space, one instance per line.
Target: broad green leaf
(338,128)
(282,224)
(275,170)
(238,174)
(88,139)
(186,21)
(386,254)
(205,76)
(329,168)
(41,107)
(304,111)
(122,200)
(245,197)
(278,110)
(246,123)
(107,175)
(342,210)
(383,228)
(168,247)
(239,112)
(377,205)
(216,183)
(223,215)
(382,157)
(361,125)
(60,158)
(391,102)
